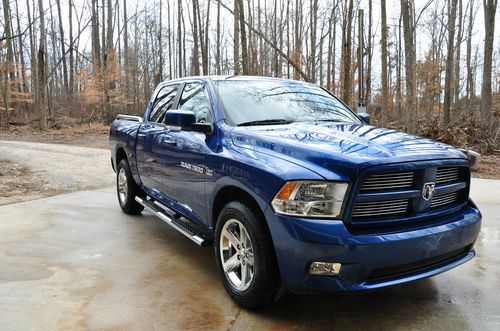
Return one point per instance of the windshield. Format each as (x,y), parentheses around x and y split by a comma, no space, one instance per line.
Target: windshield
(260,102)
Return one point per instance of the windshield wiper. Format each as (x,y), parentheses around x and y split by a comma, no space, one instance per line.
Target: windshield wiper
(275,121)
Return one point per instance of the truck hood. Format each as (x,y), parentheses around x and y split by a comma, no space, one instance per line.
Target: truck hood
(340,147)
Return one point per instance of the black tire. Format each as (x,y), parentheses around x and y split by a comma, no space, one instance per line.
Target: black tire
(126,198)
(263,287)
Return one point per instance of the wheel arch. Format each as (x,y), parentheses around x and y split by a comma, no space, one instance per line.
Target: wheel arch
(230,193)
(120,155)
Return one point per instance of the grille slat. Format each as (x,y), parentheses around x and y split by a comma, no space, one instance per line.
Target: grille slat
(444,199)
(380,208)
(389,181)
(447,174)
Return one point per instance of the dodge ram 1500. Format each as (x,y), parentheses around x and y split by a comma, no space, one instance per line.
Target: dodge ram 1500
(292,188)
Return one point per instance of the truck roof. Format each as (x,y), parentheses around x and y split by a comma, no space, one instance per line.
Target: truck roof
(230,77)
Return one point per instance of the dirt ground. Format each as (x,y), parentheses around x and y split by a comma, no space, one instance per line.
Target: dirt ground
(24,178)
(33,170)
(93,135)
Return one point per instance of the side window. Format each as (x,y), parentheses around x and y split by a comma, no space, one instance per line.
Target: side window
(195,98)
(163,102)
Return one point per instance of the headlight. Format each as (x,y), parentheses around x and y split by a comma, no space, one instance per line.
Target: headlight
(310,199)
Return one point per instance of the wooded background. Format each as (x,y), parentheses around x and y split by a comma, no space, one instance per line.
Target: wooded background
(423,70)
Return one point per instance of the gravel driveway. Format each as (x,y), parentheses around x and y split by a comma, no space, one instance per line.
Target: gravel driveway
(34,170)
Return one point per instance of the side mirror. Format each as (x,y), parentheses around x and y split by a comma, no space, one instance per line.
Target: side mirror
(185,120)
(364,117)
(180,119)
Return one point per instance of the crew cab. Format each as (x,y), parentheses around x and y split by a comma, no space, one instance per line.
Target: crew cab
(292,188)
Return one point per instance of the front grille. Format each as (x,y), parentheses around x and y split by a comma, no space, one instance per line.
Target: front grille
(380,208)
(443,199)
(388,181)
(447,174)
(388,200)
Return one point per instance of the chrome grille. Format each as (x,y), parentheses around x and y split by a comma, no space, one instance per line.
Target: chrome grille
(388,181)
(448,174)
(444,199)
(380,208)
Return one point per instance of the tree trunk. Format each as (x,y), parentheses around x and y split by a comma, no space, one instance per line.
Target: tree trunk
(96,49)
(42,79)
(196,57)
(470,80)
(346,56)
(71,45)
(244,47)
(385,88)
(9,74)
(313,25)
(204,51)
(159,77)
(63,47)
(236,36)
(456,83)
(408,31)
(369,53)
(218,46)
(452,13)
(298,39)
(179,36)
(125,49)
(490,7)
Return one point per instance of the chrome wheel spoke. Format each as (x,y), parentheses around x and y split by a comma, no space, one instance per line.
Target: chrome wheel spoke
(244,273)
(249,258)
(243,235)
(231,237)
(231,263)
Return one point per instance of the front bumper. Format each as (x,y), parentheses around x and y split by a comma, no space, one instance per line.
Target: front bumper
(370,261)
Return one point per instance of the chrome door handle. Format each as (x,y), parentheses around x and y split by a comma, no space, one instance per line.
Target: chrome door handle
(170,141)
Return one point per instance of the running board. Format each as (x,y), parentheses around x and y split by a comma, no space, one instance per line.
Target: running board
(170,217)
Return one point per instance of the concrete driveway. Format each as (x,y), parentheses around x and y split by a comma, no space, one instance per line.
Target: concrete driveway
(74,261)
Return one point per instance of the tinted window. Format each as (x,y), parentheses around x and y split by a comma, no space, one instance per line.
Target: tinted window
(248,101)
(163,102)
(195,98)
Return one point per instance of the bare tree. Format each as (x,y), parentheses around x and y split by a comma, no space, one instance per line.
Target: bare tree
(236,37)
(96,47)
(383,46)
(346,53)
(196,57)
(244,48)
(470,81)
(452,13)
(490,7)
(42,78)
(410,63)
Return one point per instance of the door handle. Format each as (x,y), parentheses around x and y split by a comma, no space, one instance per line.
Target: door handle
(170,141)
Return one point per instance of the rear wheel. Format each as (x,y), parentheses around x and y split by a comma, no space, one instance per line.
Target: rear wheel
(245,256)
(127,189)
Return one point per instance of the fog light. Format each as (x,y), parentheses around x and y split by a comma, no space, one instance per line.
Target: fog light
(325,268)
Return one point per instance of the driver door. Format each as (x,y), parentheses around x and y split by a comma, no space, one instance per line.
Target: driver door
(185,169)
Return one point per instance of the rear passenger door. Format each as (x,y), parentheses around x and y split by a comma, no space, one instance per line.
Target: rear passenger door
(152,156)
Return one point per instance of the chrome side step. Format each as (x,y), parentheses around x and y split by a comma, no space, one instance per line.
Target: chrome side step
(168,216)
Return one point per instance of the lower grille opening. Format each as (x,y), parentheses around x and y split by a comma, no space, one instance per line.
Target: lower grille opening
(388,273)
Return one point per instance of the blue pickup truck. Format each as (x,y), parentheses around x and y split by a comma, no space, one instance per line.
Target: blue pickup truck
(293,189)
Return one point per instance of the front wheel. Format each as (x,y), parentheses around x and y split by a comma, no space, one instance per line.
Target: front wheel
(127,189)
(245,256)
